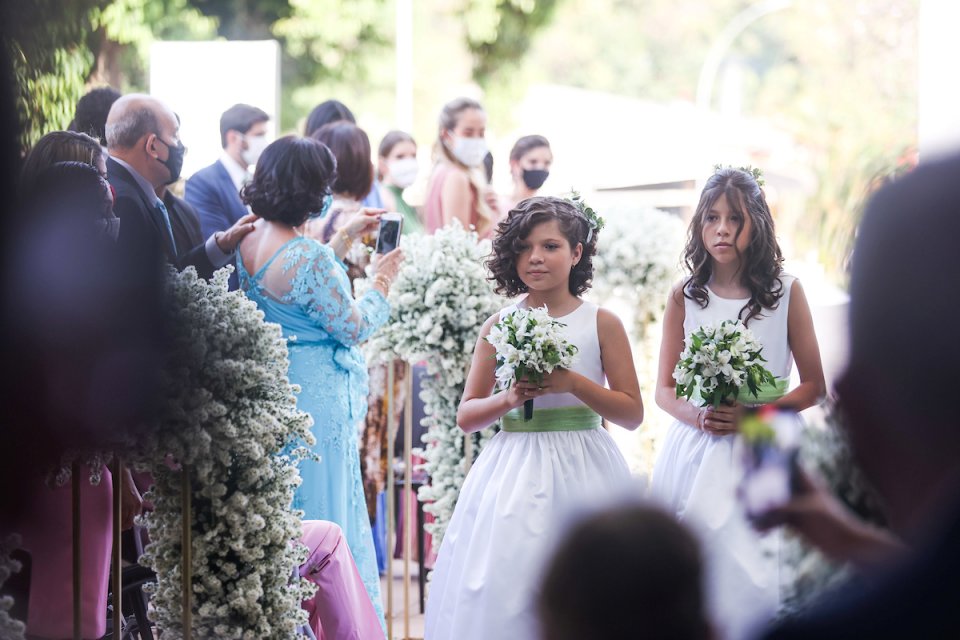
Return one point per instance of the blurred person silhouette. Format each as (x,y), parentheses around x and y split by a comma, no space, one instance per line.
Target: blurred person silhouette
(146,154)
(331,111)
(458,188)
(530,161)
(90,116)
(901,421)
(629,571)
(397,168)
(91,371)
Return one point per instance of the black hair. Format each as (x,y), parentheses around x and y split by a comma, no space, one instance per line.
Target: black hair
(70,189)
(92,110)
(512,231)
(239,118)
(292,177)
(58,146)
(762,263)
(325,113)
(620,566)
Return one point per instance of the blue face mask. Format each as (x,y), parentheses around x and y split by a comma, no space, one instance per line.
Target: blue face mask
(327,201)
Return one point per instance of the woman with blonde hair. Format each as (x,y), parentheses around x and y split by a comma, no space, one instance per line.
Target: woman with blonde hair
(458,188)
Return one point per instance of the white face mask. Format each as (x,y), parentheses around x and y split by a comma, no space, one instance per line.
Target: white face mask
(469,151)
(403,172)
(255,146)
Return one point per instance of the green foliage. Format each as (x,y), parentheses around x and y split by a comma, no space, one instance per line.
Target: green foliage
(499,32)
(839,77)
(50,61)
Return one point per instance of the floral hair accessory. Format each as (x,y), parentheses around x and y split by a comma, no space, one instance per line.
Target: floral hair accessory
(753,171)
(594,221)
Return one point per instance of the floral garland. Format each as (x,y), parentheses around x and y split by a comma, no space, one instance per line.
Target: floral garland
(438,304)
(228,411)
(638,261)
(10,628)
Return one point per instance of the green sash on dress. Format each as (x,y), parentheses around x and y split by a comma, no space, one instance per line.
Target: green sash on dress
(576,418)
(766,393)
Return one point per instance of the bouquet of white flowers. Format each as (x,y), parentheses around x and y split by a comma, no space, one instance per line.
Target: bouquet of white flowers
(717,362)
(529,344)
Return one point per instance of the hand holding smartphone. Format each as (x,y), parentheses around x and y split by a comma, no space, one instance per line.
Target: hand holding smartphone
(388,235)
(771,443)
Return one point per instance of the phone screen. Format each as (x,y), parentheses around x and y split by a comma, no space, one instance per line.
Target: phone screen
(770,439)
(388,237)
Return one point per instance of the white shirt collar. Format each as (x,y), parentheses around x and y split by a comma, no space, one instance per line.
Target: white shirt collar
(237,174)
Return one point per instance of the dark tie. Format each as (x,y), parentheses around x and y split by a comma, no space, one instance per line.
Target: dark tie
(166,218)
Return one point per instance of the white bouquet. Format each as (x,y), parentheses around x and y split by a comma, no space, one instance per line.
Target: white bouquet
(438,304)
(718,362)
(529,345)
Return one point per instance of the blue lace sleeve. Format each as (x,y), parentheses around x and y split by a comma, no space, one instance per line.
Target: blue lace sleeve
(320,286)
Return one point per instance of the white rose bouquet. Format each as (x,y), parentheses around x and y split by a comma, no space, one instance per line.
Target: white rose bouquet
(718,362)
(529,344)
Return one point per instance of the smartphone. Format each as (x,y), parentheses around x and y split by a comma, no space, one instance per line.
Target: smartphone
(388,236)
(770,440)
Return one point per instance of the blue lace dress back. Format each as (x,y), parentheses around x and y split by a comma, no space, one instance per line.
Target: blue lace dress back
(304,288)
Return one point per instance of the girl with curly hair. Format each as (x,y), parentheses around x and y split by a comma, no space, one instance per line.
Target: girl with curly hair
(735,267)
(531,471)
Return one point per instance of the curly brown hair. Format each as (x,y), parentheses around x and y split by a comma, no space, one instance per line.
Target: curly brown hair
(514,230)
(762,263)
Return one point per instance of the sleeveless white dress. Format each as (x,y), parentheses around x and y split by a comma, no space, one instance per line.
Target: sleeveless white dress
(696,475)
(491,558)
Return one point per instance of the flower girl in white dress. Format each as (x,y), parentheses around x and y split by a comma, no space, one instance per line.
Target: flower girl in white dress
(490,559)
(735,265)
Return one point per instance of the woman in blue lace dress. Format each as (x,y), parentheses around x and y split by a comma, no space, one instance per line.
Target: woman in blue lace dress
(302,285)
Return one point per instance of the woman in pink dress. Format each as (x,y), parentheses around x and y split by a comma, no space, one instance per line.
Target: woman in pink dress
(458,188)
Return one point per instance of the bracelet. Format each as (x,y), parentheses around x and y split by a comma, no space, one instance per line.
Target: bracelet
(347,240)
(383,281)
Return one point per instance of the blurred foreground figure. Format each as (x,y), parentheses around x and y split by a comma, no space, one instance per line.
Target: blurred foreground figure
(626,572)
(903,422)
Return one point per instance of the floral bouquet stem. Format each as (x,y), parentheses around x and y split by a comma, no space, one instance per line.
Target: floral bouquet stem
(529,345)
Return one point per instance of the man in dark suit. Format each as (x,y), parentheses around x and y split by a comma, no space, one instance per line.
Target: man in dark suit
(902,418)
(146,154)
(214,191)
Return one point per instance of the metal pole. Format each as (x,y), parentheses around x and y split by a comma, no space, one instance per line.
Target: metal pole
(77,583)
(186,569)
(408,522)
(116,581)
(391,498)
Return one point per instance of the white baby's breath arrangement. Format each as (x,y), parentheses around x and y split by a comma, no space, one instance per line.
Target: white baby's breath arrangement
(10,628)
(638,260)
(529,345)
(719,363)
(228,414)
(438,304)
